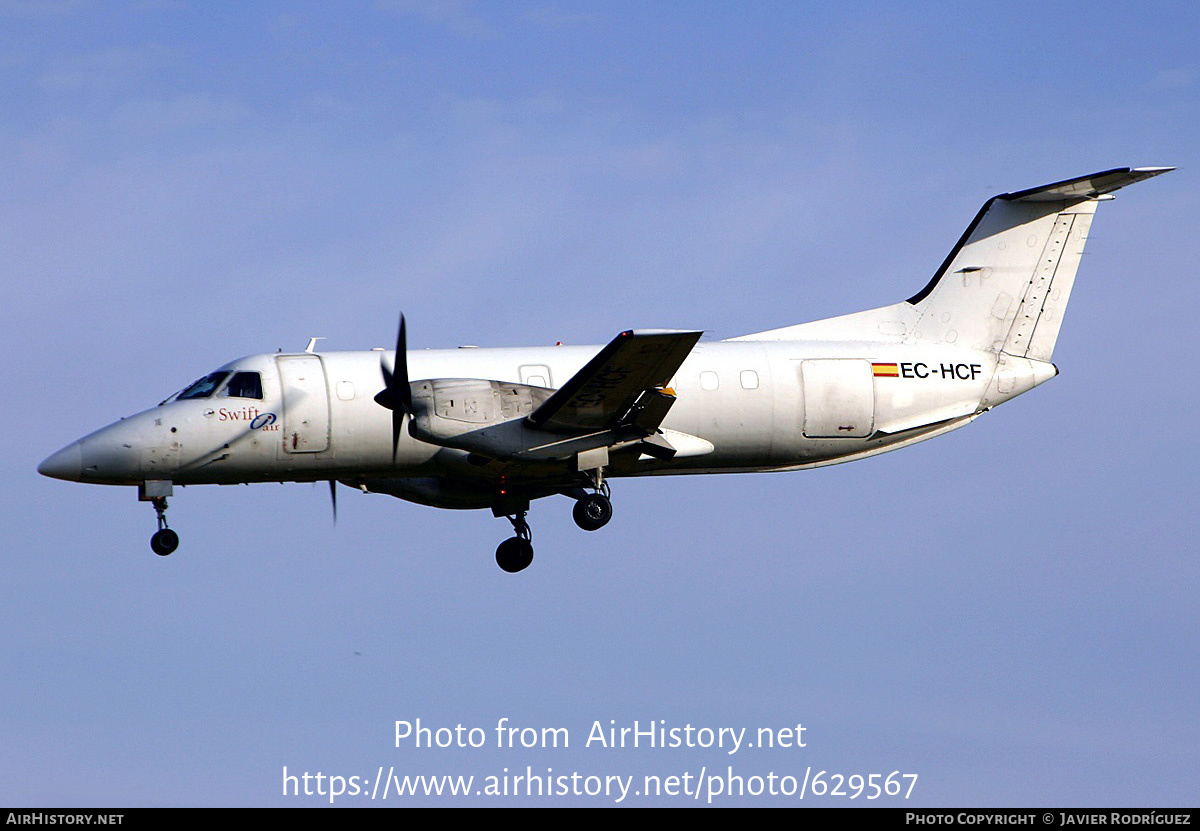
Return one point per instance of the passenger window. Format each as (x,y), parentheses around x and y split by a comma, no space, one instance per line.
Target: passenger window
(244,385)
(708,380)
(749,379)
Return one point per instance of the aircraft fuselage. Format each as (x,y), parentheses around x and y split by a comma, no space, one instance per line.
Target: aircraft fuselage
(746,399)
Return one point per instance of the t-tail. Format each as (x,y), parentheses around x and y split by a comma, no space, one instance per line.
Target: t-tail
(1004,286)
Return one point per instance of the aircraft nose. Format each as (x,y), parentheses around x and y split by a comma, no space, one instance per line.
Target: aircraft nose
(65,464)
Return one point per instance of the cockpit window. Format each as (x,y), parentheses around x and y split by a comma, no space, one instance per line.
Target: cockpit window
(244,385)
(204,387)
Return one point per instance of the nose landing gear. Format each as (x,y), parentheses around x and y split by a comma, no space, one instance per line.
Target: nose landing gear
(164,540)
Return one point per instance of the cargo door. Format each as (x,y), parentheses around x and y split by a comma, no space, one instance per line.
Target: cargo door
(839,398)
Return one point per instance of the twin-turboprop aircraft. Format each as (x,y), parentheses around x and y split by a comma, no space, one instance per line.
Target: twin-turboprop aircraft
(498,428)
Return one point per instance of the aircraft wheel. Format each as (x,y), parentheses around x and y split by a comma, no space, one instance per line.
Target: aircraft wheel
(514,554)
(592,512)
(164,542)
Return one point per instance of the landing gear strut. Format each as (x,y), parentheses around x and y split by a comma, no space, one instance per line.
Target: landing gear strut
(164,540)
(516,553)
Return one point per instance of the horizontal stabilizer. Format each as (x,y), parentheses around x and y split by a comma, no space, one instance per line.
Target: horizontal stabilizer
(1086,187)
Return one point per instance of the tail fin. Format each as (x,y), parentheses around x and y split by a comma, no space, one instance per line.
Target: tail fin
(1005,285)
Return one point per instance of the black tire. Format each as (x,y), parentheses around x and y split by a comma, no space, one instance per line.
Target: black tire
(164,542)
(592,512)
(514,554)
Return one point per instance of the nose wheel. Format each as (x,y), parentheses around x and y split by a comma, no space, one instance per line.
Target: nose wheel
(516,553)
(164,540)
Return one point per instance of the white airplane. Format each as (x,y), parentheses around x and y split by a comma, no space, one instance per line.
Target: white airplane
(498,428)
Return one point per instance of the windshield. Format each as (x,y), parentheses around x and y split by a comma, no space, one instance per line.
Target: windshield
(204,387)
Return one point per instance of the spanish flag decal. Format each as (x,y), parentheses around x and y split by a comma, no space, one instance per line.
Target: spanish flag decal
(885,370)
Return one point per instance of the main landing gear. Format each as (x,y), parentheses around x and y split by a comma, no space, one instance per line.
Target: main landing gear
(516,553)
(592,512)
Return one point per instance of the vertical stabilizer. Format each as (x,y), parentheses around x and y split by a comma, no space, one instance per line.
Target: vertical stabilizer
(1005,285)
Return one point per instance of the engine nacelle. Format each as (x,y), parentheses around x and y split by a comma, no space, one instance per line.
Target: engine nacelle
(457,412)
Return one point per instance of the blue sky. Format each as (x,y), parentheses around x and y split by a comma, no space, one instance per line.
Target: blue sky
(1007,611)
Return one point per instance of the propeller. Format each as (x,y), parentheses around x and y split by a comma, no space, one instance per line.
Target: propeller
(396,395)
(333,498)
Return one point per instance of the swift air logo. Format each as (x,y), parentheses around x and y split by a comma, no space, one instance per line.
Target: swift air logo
(264,422)
(946,372)
(267,422)
(238,413)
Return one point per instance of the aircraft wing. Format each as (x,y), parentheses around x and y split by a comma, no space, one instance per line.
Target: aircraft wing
(604,392)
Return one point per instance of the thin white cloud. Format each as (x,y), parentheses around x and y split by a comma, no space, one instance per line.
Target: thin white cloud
(1179,77)
(550,17)
(39,8)
(105,70)
(457,16)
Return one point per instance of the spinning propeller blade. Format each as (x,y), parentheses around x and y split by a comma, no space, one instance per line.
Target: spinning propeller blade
(396,395)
